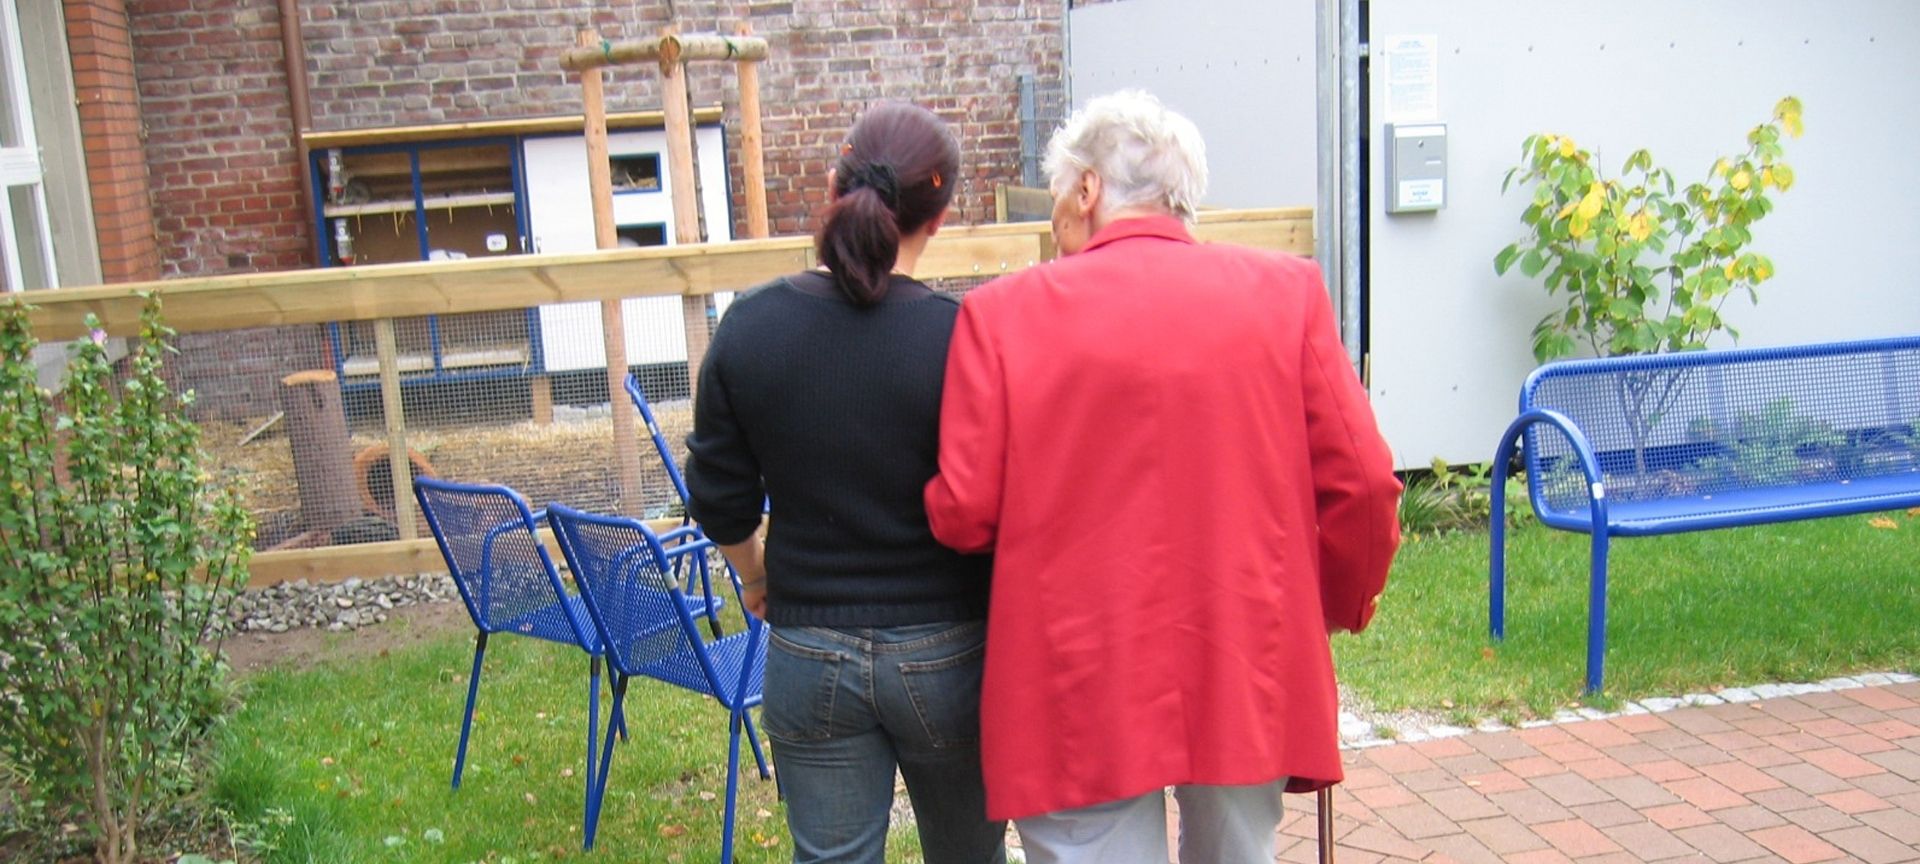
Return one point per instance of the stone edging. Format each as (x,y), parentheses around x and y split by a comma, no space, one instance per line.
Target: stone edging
(1359,732)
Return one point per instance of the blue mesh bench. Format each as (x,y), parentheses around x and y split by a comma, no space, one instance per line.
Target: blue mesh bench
(1668,443)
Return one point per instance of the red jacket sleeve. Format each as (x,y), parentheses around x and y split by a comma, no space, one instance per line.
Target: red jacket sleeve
(1356,495)
(963,500)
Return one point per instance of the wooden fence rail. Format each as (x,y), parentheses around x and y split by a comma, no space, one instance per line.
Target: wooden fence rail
(380,293)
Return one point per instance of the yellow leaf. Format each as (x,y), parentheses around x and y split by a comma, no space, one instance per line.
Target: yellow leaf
(1762,272)
(1641,226)
(1788,113)
(1593,201)
(673,830)
(1740,180)
(1728,270)
(1720,168)
(1566,147)
(1782,176)
(1912,513)
(1577,226)
(1766,177)
(1565,210)
(1883,523)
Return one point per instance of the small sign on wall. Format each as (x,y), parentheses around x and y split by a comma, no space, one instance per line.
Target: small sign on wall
(1416,167)
(1412,78)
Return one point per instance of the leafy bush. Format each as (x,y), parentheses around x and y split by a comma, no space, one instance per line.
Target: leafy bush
(118,564)
(1776,447)
(1642,266)
(1453,498)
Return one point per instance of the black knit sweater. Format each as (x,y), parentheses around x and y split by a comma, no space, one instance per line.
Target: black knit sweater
(832,411)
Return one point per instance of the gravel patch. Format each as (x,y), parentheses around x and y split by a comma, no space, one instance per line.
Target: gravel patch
(336,607)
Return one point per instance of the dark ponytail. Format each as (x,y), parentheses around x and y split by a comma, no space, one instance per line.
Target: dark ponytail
(895,174)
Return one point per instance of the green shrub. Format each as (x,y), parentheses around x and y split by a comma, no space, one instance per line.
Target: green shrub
(118,565)
(1641,264)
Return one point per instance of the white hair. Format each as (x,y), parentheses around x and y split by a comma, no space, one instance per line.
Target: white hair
(1145,154)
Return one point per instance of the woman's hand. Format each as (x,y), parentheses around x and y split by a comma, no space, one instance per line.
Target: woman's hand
(754,595)
(749,561)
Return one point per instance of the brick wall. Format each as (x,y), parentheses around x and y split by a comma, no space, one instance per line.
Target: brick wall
(222,153)
(102,55)
(400,62)
(220,139)
(213,94)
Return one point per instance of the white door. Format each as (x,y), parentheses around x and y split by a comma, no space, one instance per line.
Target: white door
(560,216)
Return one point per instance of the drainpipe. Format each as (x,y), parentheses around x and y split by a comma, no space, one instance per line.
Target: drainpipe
(294,52)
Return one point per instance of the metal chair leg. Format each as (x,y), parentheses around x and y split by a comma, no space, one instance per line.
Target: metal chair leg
(753,739)
(593,723)
(733,783)
(466,721)
(597,791)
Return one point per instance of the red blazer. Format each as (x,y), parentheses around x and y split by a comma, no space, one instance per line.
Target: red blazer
(1165,446)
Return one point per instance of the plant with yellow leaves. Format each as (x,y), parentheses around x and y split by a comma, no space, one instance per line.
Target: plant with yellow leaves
(1644,266)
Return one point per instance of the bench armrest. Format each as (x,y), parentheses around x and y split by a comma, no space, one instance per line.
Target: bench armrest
(1589,465)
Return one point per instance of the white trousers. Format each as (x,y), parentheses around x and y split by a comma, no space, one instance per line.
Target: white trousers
(1218,825)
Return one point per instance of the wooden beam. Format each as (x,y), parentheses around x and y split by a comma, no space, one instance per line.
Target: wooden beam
(613,321)
(516,282)
(686,200)
(374,560)
(400,466)
(502,128)
(681,47)
(753,169)
(1289,230)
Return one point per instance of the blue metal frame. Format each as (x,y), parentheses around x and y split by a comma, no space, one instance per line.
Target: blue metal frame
(1791,503)
(665,451)
(536,363)
(586,633)
(1497,558)
(737,696)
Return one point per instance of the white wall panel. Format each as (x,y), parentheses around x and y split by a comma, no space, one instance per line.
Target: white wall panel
(1242,70)
(1449,340)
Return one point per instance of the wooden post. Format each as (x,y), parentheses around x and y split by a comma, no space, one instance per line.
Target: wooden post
(613,325)
(753,169)
(686,208)
(390,403)
(540,397)
(322,457)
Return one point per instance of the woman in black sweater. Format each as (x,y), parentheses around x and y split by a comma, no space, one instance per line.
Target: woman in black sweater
(821,393)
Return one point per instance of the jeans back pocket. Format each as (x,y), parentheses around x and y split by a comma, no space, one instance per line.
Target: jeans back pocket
(802,682)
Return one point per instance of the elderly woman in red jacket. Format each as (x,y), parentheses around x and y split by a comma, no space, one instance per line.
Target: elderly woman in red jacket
(1168,451)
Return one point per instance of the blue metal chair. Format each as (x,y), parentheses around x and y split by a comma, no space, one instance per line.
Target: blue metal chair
(699,564)
(627,577)
(490,541)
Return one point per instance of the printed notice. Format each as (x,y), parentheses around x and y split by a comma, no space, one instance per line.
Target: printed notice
(1413,78)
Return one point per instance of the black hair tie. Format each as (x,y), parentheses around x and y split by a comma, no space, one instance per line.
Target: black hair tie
(880,178)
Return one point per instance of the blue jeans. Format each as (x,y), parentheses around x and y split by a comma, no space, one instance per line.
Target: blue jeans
(845,706)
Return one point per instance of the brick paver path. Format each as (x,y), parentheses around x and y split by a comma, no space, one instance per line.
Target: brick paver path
(1831,776)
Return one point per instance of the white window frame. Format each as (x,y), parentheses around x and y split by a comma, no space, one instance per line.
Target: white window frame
(20,165)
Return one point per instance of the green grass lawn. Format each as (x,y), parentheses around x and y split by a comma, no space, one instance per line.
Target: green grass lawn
(351,762)
(1686,613)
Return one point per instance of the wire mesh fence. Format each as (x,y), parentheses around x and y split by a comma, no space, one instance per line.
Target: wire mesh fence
(517,397)
(309,383)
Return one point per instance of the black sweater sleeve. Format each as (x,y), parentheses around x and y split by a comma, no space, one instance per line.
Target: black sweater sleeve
(723,476)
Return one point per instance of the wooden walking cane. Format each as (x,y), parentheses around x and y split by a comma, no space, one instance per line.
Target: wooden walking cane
(1326,825)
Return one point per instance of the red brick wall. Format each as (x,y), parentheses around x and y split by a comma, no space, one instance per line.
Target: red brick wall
(102,56)
(213,92)
(399,62)
(220,145)
(226,195)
